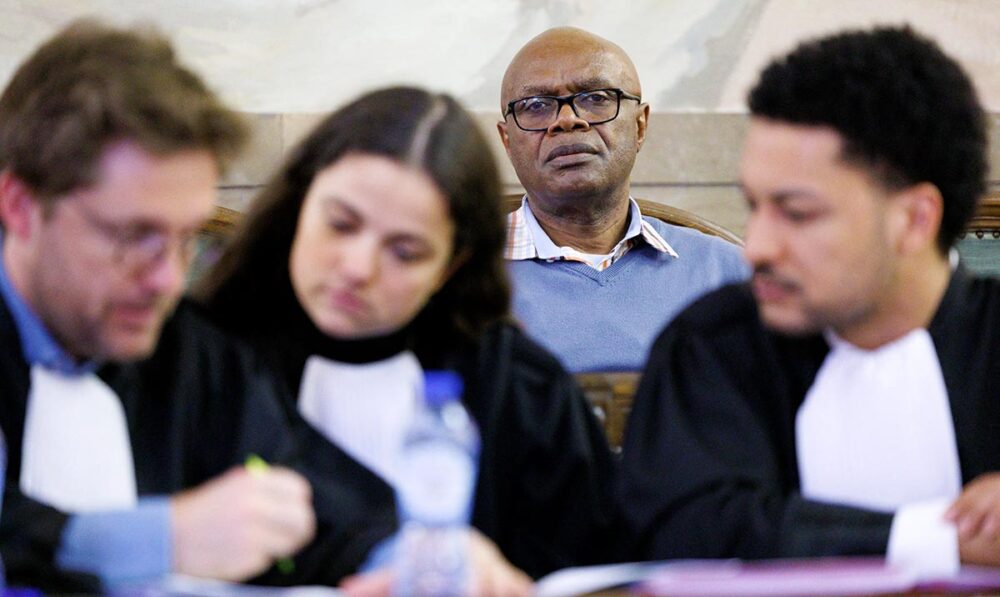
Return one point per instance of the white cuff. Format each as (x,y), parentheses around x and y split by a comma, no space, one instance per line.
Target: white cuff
(922,542)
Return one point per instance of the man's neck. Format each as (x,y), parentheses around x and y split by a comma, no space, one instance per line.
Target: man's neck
(588,225)
(910,303)
(38,342)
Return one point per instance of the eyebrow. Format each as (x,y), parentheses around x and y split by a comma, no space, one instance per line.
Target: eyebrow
(335,202)
(783,195)
(140,224)
(331,202)
(333,199)
(786,195)
(417,240)
(580,85)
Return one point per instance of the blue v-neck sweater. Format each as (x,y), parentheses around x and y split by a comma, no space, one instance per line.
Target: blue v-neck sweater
(607,320)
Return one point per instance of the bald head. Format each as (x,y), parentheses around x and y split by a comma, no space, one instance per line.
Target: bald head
(548,60)
(573,168)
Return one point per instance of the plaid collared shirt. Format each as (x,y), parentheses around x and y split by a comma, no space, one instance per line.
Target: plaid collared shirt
(527,240)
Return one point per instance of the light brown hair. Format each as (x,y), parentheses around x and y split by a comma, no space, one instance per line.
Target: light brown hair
(92,85)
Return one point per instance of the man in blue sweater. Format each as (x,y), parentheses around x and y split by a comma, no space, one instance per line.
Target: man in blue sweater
(594,280)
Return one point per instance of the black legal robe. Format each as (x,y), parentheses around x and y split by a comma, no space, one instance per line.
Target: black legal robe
(543,493)
(198,406)
(710,467)
(545,471)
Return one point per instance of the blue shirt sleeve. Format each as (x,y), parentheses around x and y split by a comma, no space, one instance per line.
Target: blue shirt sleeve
(121,545)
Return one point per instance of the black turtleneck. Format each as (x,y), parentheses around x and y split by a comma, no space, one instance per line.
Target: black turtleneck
(283,333)
(301,339)
(357,350)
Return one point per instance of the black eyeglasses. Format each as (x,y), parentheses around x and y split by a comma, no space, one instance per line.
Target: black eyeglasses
(137,248)
(538,112)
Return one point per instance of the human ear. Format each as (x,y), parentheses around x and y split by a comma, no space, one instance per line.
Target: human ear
(920,208)
(18,205)
(504,138)
(641,122)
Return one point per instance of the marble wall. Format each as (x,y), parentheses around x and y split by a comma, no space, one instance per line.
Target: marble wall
(284,61)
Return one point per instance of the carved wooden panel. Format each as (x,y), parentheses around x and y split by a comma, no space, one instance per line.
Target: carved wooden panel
(986,221)
(610,394)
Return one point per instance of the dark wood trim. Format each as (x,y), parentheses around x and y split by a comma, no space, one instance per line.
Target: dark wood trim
(682,217)
(610,395)
(223,222)
(986,221)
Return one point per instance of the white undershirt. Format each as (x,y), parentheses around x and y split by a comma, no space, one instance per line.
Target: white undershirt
(363,408)
(76,453)
(875,431)
(594,260)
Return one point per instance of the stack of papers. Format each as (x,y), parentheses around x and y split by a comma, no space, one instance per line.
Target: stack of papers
(808,577)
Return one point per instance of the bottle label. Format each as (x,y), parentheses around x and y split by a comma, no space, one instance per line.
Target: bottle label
(436,483)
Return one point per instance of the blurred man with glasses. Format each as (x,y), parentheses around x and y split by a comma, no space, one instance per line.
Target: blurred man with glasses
(127,417)
(594,280)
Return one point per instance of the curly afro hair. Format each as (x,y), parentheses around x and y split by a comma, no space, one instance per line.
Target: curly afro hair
(906,111)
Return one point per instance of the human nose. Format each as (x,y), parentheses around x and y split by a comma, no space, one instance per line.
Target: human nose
(567,119)
(359,264)
(167,270)
(762,239)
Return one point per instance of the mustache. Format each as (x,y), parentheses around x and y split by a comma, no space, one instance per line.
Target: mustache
(159,301)
(766,273)
(569,150)
(153,302)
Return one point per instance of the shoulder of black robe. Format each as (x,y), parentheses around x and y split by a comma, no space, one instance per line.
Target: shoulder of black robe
(227,404)
(966,335)
(709,464)
(29,530)
(544,487)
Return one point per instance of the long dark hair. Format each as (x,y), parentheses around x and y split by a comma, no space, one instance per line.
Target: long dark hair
(249,286)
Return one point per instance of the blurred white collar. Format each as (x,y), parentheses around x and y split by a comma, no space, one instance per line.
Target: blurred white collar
(76,454)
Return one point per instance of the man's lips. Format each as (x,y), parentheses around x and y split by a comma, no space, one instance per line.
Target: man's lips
(768,288)
(139,314)
(570,150)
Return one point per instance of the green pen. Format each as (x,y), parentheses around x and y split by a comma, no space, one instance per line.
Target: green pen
(256,465)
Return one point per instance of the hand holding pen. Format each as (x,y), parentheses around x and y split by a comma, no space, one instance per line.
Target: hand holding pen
(236,525)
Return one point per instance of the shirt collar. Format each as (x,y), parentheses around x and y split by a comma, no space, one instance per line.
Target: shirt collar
(527,240)
(37,344)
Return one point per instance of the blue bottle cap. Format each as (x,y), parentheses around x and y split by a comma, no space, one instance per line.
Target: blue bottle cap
(441,387)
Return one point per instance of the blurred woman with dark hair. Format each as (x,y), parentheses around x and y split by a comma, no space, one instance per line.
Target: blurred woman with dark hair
(375,253)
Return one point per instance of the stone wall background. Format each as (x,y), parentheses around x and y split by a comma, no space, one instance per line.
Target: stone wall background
(285,62)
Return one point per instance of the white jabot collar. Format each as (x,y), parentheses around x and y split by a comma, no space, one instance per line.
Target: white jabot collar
(875,429)
(365,409)
(76,454)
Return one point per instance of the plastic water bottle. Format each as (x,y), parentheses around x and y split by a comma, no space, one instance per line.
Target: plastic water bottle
(434,493)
